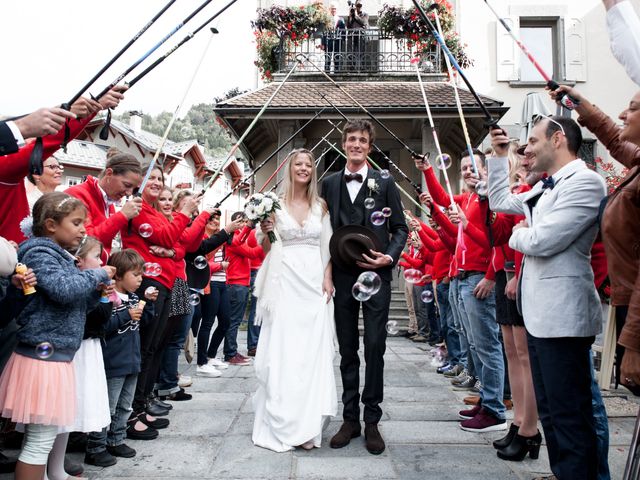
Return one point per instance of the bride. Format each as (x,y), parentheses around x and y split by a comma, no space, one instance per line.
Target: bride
(294,361)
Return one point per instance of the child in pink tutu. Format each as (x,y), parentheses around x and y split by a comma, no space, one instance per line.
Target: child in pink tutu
(92,401)
(37,386)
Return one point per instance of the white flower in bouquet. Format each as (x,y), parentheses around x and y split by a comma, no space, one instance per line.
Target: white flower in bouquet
(268,204)
(250,211)
(260,210)
(272,196)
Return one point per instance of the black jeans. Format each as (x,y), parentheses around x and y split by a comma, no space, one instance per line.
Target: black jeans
(376,314)
(216,304)
(561,371)
(151,334)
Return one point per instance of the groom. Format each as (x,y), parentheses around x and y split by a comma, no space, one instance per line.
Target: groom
(345,193)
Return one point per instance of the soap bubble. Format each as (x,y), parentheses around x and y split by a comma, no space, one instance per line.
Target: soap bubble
(194,299)
(145,230)
(386,212)
(370,281)
(439,357)
(384,174)
(392,327)
(200,262)
(44,350)
(426,296)
(151,269)
(369,203)
(377,218)
(360,292)
(150,291)
(443,161)
(411,275)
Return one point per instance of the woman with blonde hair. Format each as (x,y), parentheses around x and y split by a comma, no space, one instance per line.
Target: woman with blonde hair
(294,361)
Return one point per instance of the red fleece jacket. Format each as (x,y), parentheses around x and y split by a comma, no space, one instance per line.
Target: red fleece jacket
(13,170)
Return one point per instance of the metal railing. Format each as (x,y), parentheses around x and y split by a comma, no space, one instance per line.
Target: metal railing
(357,51)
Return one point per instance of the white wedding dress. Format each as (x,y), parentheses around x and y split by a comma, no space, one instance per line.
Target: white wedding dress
(296,393)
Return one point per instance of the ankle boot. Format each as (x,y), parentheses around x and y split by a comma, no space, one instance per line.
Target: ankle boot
(507,439)
(520,446)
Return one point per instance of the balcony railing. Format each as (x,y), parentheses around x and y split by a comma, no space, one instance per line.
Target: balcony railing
(357,51)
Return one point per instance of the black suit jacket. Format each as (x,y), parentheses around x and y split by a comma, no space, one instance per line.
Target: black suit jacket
(393,234)
(8,143)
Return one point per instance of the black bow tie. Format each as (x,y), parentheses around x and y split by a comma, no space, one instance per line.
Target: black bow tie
(353,176)
(549,183)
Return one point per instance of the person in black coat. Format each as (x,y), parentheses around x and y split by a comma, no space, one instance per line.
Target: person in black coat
(345,193)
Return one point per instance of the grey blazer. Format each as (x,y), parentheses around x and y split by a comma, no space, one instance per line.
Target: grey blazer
(556,295)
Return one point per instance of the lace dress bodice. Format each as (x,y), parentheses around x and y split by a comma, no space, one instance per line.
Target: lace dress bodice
(292,233)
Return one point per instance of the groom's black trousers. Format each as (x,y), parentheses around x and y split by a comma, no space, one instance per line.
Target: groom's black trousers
(376,313)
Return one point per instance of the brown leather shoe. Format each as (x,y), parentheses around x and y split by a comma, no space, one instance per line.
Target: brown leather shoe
(374,442)
(472,400)
(348,430)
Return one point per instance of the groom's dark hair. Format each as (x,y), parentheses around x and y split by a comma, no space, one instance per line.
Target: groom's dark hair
(359,125)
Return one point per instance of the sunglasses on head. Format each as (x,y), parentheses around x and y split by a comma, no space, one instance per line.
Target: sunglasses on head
(538,118)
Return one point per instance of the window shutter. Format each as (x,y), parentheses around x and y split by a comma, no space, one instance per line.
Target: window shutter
(575,60)
(507,57)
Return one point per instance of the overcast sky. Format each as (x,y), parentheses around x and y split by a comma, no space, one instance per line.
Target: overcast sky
(50,49)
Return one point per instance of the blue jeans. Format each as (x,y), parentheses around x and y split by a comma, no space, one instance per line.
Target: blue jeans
(238,295)
(454,303)
(168,376)
(121,391)
(601,424)
(253,331)
(447,324)
(486,349)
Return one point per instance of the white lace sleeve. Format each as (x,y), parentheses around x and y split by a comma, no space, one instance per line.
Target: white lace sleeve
(325,237)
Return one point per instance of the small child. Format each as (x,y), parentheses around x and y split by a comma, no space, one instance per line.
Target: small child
(37,386)
(121,354)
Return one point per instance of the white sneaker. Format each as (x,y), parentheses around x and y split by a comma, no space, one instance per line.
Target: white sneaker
(185,381)
(208,371)
(219,364)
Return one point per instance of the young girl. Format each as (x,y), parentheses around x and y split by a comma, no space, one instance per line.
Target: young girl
(37,386)
(92,402)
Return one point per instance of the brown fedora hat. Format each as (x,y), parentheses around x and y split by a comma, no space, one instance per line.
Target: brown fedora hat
(349,242)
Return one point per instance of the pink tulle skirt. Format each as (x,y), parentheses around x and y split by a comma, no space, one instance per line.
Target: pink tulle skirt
(37,391)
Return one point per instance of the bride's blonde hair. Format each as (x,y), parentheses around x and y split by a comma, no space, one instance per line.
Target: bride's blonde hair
(286,191)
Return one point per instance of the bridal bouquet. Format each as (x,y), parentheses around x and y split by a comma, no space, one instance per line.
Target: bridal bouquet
(260,206)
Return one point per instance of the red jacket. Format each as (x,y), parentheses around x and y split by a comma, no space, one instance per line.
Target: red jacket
(240,256)
(256,263)
(98,224)
(441,255)
(189,242)
(477,256)
(419,260)
(165,234)
(13,170)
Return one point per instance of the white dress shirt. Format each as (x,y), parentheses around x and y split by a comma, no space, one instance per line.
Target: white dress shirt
(354,186)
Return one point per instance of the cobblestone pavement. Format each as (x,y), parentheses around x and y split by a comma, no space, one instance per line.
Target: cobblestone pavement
(210,436)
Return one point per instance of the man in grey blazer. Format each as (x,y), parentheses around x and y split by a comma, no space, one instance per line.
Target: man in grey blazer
(556,295)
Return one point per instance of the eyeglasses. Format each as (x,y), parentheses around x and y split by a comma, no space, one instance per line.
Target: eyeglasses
(537,118)
(55,168)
